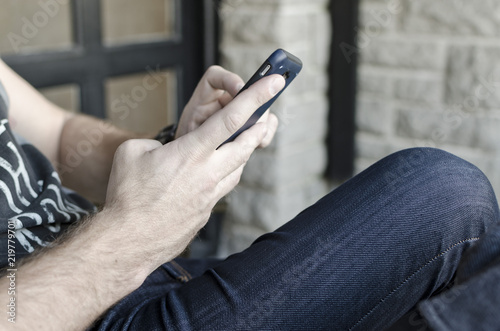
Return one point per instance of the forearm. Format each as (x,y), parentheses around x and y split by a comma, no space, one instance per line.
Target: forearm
(86,150)
(69,286)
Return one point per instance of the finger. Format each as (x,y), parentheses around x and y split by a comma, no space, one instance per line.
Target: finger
(205,111)
(232,156)
(225,99)
(264,117)
(209,109)
(228,184)
(135,147)
(226,122)
(272,124)
(218,78)
(140,146)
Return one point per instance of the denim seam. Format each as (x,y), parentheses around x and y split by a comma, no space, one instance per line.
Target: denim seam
(411,276)
(167,273)
(185,275)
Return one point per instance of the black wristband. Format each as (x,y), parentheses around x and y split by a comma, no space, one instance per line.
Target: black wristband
(167,134)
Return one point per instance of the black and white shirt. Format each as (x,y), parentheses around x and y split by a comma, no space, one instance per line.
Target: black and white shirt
(33,205)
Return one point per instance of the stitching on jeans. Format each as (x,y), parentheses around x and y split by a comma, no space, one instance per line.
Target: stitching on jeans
(186,276)
(411,276)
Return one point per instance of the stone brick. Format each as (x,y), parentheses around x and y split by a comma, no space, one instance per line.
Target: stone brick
(378,18)
(320,44)
(270,171)
(309,80)
(494,176)
(268,211)
(378,84)
(283,179)
(441,81)
(474,156)
(389,3)
(473,79)
(404,54)
(362,164)
(264,26)
(260,219)
(236,238)
(460,17)
(292,199)
(418,89)
(371,146)
(242,204)
(438,126)
(374,116)
(283,3)
(300,121)
(488,129)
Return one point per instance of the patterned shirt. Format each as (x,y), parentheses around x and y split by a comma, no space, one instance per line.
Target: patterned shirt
(34,207)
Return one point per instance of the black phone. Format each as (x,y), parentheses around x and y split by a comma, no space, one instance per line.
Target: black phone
(280,62)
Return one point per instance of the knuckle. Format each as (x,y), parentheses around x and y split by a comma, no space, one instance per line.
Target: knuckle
(236,178)
(126,147)
(213,69)
(212,180)
(126,152)
(261,99)
(192,150)
(251,142)
(209,186)
(232,182)
(233,121)
(243,157)
(263,96)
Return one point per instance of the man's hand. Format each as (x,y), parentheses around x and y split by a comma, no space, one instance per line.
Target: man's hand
(163,195)
(216,89)
(158,198)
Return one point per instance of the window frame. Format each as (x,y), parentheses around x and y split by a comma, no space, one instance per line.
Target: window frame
(90,62)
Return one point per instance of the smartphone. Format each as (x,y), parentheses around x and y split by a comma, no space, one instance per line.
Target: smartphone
(280,62)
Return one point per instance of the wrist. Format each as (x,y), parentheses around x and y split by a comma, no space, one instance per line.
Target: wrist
(116,249)
(85,270)
(135,250)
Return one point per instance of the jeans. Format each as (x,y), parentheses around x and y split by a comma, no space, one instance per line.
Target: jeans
(358,259)
(474,300)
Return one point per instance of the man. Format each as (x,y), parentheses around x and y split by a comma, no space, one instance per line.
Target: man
(358,259)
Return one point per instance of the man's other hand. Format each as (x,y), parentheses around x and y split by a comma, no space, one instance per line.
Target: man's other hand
(217,88)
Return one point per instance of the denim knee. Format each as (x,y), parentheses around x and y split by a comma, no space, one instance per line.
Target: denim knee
(459,182)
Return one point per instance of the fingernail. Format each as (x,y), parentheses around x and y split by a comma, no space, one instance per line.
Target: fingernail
(277,85)
(239,86)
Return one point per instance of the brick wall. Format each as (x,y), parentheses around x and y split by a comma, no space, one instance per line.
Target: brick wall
(282,180)
(429,75)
